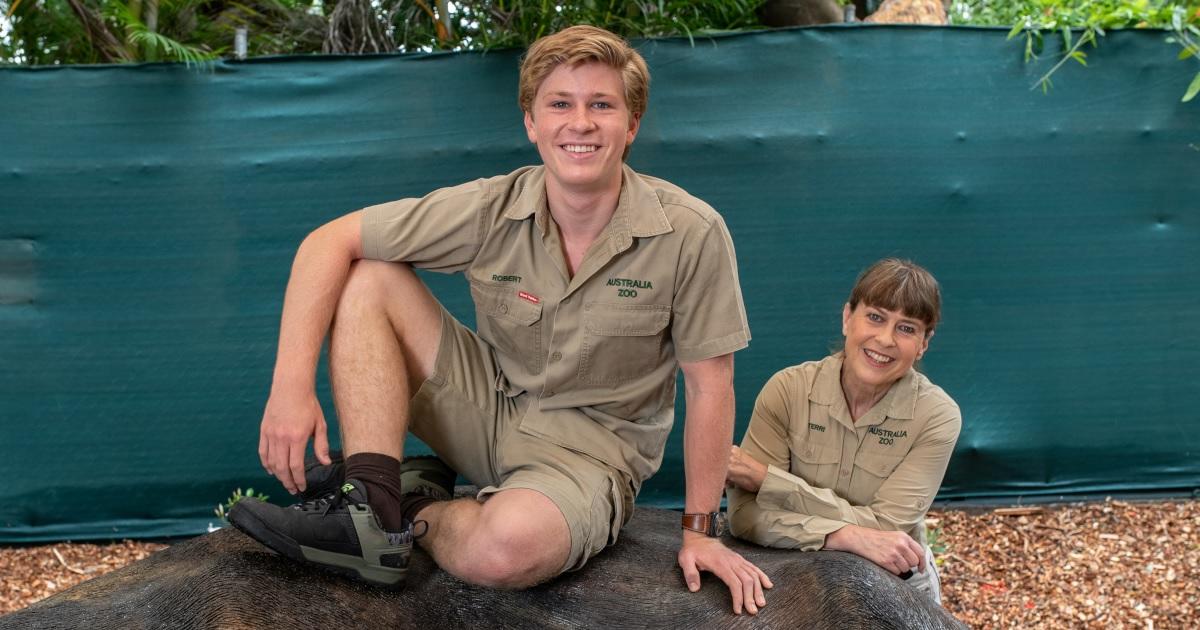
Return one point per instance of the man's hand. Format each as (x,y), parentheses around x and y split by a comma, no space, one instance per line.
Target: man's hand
(287,423)
(894,551)
(745,581)
(745,472)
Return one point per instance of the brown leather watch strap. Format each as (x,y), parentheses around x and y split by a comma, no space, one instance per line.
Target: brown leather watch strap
(702,523)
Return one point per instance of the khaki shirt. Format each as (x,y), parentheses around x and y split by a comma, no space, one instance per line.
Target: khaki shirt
(824,470)
(598,350)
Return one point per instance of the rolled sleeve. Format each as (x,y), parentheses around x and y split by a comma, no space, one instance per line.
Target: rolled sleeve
(750,520)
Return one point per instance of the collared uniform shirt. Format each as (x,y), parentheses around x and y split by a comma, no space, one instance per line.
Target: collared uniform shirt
(598,350)
(825,471)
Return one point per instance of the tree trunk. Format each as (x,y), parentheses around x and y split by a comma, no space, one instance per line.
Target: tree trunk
(110,47)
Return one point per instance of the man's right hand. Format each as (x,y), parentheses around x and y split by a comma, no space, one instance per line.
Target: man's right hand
(894,551)
(288,422)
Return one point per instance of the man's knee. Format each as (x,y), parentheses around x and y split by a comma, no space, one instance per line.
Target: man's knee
(521,540)
(369,284)
(515,559)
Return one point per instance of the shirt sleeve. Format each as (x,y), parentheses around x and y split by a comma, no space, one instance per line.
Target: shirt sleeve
(441,231)
(767,440)
(777,528)
(709,318)
(901,501)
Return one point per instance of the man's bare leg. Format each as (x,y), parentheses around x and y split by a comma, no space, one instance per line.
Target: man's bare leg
(515,539)
(383,345)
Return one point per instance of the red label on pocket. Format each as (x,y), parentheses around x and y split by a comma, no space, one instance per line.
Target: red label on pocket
(528,296)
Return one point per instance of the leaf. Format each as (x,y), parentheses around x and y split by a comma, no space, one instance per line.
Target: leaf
(1011,34)
(1192,89)
(1186,52)
(1066,31)
(1081,57)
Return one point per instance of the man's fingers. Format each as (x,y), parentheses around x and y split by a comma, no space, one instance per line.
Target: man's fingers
(748,595)
(279,467)
(762,577)
(735,588)
(296,465)
(321,445)
(263,452)
(755,578)
(691,575)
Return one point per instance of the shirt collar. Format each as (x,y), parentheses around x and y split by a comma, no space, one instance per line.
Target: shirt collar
(639,210)
(899,403)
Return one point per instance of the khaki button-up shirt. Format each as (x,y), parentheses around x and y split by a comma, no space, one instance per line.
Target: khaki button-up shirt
(825,470)
(598,350)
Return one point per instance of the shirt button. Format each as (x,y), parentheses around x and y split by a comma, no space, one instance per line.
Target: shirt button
(503,308)
(555,356)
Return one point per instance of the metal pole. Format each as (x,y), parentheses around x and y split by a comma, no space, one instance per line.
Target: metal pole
(239,43)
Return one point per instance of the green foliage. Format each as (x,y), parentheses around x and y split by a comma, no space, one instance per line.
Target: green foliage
(222,509)
(1034,20)
(1052,15)
(192,31)
(933,537)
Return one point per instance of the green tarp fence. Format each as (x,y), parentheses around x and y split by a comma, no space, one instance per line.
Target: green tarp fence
(148,216)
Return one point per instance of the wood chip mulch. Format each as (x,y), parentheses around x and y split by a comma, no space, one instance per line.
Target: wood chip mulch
(1112,564)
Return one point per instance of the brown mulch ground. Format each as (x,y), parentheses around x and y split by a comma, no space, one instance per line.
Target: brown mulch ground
(1105,565)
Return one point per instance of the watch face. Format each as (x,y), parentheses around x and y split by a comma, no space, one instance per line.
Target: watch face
(720,525)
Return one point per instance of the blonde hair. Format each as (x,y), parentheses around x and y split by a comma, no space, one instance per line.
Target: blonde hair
(577,45)
(900,285)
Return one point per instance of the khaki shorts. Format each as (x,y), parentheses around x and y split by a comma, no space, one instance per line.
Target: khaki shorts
(462,414)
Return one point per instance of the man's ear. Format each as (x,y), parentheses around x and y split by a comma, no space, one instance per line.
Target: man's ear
(529,129)
(635,123)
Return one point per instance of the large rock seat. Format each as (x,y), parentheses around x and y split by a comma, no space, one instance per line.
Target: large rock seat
(227,580)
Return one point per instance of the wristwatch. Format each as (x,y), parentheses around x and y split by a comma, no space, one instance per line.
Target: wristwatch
(711,524)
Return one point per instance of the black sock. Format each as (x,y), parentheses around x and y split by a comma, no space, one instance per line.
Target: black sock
(412,503)
(381,474)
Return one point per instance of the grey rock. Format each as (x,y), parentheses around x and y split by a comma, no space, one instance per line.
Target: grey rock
(226,580)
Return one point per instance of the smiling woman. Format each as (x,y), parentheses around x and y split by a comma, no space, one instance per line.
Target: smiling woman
(848,452)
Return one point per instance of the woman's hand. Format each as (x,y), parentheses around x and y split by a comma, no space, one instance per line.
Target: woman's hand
(894,551)
(745,472)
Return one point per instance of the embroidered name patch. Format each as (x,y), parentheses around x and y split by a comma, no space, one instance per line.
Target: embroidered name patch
(528,297)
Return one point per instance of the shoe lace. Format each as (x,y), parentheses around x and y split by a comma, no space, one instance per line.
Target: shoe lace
(326,502)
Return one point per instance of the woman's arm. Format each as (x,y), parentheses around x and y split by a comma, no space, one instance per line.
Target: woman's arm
(902,500)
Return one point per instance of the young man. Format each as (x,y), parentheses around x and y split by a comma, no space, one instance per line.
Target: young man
(591,284)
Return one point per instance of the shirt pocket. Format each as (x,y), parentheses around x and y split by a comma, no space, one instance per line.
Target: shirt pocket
(621,342)
(512,324)
(817,464)
(871,470)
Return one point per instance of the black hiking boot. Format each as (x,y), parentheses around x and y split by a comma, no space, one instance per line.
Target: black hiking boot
(322,479)
(428,476)
(337,532)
